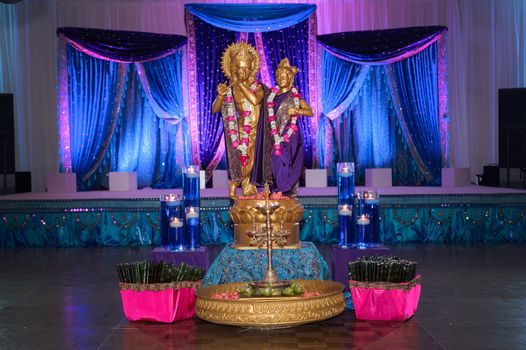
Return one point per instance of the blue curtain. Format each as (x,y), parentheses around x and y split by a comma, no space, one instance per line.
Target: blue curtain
(373,126)
(376,140)
(118,122)
(340,85)
(341,82)
(126,134)
(414,90)
(409,88)
(368,132)
(92,91)
(162,80)
(146,144)
(251,17)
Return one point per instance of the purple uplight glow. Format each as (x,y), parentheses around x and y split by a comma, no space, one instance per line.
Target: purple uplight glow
(243,37)
(442,99)
(192,90)
(63,107)
(313,87)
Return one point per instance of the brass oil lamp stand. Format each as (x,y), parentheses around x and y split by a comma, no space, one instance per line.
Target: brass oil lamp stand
(267,236)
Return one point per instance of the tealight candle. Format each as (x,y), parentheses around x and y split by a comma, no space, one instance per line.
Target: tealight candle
(192,172)
(345,169)
(192,213)
(345,210)
(344,173)
(370,197)
(363,220)
(175,223)
(172,200)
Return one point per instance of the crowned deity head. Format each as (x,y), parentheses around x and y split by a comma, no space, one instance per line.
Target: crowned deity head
(285,74)
(240,62)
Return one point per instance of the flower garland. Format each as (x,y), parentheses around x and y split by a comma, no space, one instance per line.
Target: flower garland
(239,142)
(291,128)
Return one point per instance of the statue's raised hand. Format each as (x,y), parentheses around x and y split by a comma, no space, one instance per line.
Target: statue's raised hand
(222,89)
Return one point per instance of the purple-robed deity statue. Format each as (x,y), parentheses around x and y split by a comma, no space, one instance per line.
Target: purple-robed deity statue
(278,157)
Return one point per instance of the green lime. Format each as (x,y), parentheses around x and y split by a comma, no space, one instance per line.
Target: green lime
(298,289)
(247,292)
(288,292)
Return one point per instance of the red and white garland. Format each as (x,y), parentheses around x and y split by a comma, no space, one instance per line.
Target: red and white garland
(291,128)
(239,142)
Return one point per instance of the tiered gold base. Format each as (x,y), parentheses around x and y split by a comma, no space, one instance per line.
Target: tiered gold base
(247,218)
(271,312)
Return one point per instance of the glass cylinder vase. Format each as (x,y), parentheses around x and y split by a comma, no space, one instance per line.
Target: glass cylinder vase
(368,219)
(345,176)
(172,221)
(192,228)
(345,221)
(191,186)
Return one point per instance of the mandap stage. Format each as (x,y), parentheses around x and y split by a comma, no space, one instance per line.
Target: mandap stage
(408,214)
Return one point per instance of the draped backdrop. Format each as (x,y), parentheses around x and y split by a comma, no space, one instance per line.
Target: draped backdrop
(130,101)
(384,102)
(121,106)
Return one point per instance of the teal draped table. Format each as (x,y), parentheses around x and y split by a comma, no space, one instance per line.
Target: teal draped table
(135,222)
(233,265)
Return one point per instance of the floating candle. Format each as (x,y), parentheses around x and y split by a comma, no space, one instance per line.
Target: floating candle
(345,173)
(171,199)
(345,210)
(345,169)
(192,171)
(175,223)
(363,220)
(192,213)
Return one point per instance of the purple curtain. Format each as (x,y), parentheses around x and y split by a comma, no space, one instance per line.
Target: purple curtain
(121,46)
(381,46)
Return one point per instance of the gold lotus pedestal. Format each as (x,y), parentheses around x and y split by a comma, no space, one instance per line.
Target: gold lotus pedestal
(271,312)
(249,220)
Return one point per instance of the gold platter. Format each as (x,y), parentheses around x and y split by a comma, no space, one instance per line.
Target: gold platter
(269,312)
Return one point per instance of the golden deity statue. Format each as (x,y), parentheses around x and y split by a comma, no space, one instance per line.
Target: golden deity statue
(240,104)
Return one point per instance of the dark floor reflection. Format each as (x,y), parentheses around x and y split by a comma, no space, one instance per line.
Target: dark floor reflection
(473,297)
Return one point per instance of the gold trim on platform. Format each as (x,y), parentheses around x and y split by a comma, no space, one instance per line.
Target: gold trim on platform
(269,312)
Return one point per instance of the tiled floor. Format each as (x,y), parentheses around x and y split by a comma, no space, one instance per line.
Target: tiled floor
(473,297)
